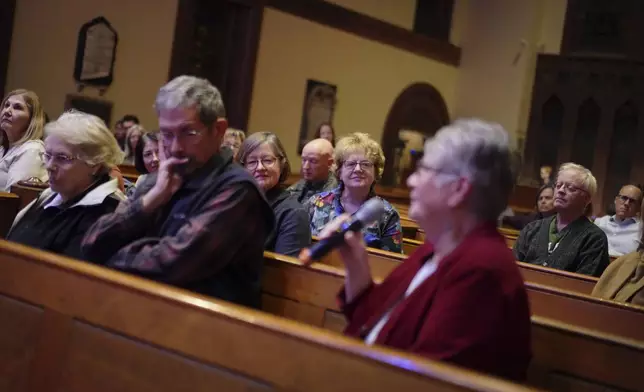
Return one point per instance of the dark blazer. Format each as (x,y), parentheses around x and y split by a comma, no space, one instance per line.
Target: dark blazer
(292,231)
(473,311)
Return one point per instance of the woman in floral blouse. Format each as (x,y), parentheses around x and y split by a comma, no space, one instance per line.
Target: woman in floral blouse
(359,165)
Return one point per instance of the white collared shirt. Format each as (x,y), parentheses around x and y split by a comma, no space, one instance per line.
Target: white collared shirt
(93,197)
(22,162)
(623,237)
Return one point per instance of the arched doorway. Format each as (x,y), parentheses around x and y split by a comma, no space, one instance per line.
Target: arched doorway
(417,113)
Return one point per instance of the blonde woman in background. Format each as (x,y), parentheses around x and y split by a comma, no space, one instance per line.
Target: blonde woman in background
(22,120)
(360,163)
(233,139)
(131,141)
(80,152)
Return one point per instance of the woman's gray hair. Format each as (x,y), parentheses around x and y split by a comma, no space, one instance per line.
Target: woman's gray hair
(89,136)
(185,91)
(479,151)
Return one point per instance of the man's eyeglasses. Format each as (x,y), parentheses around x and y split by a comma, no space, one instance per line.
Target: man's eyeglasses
(184,136)
(351,165)
(625,198)
(422,166)
(267,162)
(60,159)
(569,188)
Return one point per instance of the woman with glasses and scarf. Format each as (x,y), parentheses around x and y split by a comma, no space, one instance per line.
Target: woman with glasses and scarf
(359,165)
(263,155)
(79,153)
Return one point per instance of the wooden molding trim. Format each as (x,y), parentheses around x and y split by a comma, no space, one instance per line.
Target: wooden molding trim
(7,10)
(340,18)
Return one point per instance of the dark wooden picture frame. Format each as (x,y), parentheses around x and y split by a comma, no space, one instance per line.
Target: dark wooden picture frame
(318,94)
(80,53)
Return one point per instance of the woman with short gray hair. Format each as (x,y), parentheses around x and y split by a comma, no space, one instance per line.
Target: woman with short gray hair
(80,152)
(460,297)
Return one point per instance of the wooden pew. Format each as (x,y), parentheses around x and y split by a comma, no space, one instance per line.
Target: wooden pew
(552,294)
(566,357)
(27,192)
(72,326)
(383,262)
(9,207)
(129,172)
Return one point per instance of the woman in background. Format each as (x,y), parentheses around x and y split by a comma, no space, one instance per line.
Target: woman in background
(325,131)
(131,142)
(22,120)
(360,163)
(79,153)
(263,155)
(146,161)
(233,139)
(545,208)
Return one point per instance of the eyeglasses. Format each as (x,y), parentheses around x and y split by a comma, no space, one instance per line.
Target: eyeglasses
(267,162)
(351,165)
(625,198)
(190,136)
(420,165)
(60,159)
(569,188)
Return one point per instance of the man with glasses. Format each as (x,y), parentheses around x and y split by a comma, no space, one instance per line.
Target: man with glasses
(203,224)
(568,240)
(623,228)
(317,160)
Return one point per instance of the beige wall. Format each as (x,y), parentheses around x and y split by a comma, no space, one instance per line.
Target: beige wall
(398,12)
(491,84)
(369,76)
(44,42)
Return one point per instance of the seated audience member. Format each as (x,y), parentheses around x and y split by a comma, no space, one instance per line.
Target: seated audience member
(263,155)
(545,172)
(146,161)
(79,153)
(623,280)
(131,142)
(120,134)
(460,297)
(204,223)
(624,228)
(317,161)
(22,120)
(129,120)
(233,139)
(326,131)
(569,240)
(360,163)
(545,208)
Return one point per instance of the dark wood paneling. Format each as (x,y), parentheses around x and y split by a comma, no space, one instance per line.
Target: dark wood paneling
(18,340)
(7,10)
(218,40)
(605,141)
(370,28)
(434,18)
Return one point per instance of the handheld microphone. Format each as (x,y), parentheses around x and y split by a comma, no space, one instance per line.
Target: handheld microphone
(368,213)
